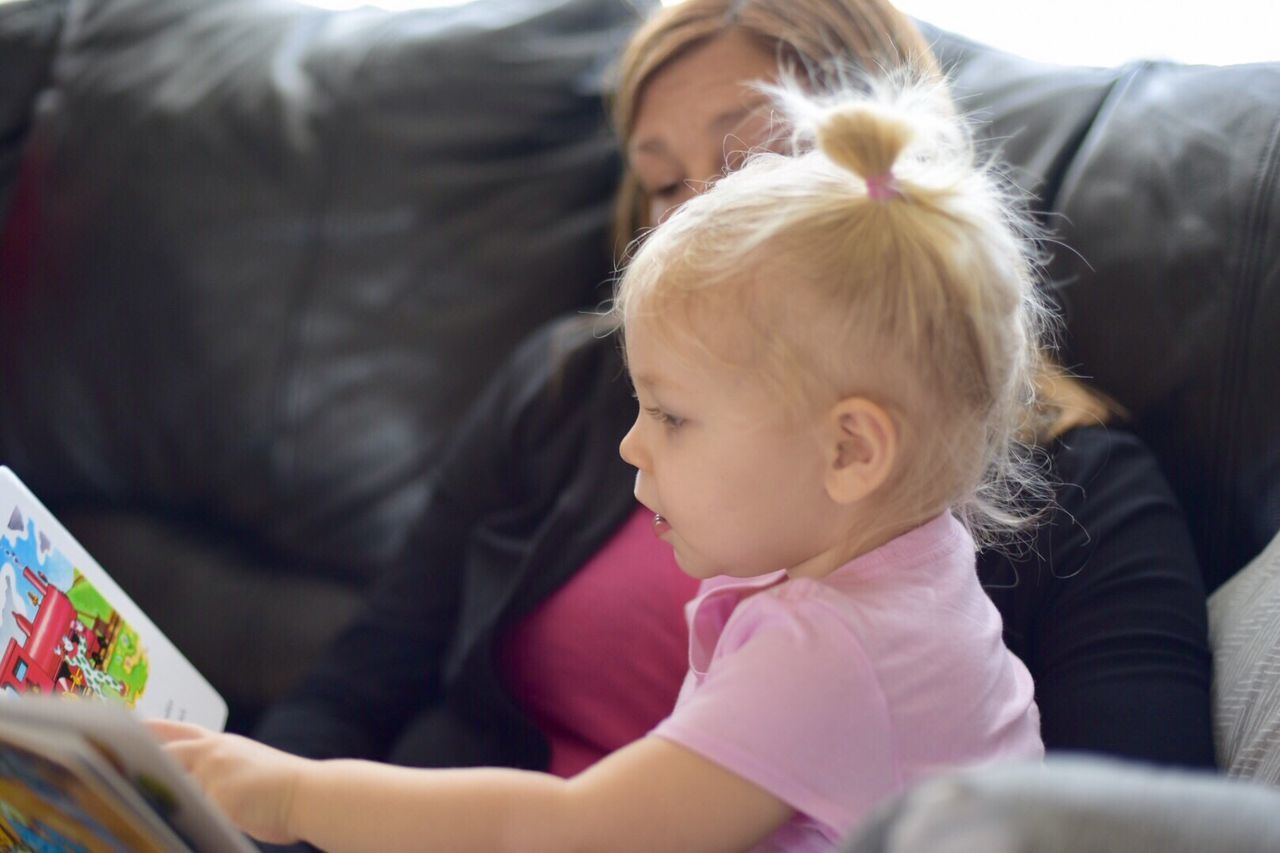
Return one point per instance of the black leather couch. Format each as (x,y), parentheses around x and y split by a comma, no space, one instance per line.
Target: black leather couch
(255,258)
(1162,183)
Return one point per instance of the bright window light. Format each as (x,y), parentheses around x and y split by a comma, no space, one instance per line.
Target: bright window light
(1081,32)
(1109,32)
(393,5)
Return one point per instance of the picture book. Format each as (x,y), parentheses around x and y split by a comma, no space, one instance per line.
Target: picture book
(79,775)
(66,628)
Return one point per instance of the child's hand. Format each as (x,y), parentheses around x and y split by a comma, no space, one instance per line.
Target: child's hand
(251,783)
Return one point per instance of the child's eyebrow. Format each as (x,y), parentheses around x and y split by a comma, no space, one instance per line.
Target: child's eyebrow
(654,382)
(648,380)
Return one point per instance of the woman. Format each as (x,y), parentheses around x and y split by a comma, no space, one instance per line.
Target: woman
(534,604)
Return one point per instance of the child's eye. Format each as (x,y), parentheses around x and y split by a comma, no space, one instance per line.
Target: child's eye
(667,419)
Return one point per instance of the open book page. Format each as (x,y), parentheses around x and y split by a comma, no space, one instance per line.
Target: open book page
(55,795)
(83,775)
(67,628)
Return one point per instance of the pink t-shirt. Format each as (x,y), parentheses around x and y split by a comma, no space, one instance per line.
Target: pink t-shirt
(836,694)
(625,606)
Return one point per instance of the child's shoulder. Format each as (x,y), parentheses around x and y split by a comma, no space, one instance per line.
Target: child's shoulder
(801,608)
(793,624)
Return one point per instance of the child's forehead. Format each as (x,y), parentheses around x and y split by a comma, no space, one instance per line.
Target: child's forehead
(656,353)
(692,320)
(671,354)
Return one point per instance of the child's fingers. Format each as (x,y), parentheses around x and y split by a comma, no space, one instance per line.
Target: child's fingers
(170,731)
(184,752)
(249,782)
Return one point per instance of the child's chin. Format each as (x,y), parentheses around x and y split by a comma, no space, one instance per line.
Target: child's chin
(686,565)
(693,568)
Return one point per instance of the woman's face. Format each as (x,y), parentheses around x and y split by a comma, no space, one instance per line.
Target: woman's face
(697,117)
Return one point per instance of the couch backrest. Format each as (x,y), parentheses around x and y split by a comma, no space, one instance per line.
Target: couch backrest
(262,255)
(1162,183)
(269,252)
(29,33)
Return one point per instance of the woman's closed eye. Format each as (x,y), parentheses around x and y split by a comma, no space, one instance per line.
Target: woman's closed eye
(664,200)
(665,192)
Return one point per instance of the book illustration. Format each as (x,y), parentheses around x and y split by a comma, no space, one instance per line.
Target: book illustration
(68,629)
(87,776)
(49,803)
(58,634)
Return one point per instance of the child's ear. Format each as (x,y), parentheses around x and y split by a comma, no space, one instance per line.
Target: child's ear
(863,440)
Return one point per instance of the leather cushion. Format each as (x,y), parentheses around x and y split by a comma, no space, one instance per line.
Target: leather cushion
(1160,184)
(279,248)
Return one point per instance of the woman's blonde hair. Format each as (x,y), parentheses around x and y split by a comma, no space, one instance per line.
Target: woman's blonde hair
(879,260)
(824,39)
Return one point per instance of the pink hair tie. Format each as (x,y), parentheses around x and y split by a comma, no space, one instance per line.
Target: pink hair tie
(881,188)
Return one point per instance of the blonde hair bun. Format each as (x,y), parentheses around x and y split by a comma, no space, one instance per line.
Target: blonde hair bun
(895,132)
(864,139)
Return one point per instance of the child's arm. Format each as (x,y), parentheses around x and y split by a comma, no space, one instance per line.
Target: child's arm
(651,795)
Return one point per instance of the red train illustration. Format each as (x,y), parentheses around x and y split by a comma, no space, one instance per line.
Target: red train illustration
(57,645)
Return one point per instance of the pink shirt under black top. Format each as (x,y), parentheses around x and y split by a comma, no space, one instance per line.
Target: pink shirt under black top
(627,601)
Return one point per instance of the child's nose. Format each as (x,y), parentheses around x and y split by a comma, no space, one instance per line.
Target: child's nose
(630,448)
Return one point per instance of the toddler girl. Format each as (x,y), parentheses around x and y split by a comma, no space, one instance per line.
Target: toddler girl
(832,354)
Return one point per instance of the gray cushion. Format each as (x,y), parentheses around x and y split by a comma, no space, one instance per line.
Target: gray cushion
(1076,805)
(1244,630)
